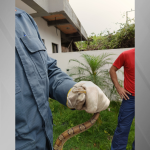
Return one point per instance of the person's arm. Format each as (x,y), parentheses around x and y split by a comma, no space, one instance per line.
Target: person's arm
(59,82)
(121,91)
(61,87)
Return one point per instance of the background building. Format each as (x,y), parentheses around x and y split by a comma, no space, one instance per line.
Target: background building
(58,25)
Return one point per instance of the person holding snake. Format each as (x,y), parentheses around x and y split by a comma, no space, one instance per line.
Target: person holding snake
(37,78)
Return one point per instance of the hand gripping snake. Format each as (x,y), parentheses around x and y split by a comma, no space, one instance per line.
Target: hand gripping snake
(74,131)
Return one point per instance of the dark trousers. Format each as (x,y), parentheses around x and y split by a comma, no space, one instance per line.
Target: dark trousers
(125,118)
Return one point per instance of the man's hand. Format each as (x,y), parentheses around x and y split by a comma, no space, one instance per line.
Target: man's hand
(87,96)
(123,93)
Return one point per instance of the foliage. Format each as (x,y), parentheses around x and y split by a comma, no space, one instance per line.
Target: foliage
(94,69)
(98,137)
(123,38)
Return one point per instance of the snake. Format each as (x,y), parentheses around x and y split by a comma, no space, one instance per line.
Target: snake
(66,135)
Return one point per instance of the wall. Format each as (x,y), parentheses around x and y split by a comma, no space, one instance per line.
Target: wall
(44,4)
(56,5)
(49,34)
(63,58)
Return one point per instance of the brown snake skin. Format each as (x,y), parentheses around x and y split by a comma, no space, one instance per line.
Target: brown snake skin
(74,131)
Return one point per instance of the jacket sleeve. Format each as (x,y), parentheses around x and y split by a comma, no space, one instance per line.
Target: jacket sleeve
(59,82)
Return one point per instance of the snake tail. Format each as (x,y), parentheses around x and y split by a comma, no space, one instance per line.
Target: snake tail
(66,135)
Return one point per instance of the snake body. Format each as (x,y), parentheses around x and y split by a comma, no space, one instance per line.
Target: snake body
(74,131)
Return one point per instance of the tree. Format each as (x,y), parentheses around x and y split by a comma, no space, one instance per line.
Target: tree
(94,69)
(122,38)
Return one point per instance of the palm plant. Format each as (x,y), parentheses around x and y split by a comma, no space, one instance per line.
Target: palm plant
(94,70)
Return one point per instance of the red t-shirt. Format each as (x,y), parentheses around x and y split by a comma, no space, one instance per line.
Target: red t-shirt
(127,60)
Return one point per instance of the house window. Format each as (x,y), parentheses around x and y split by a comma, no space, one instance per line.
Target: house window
(55,48)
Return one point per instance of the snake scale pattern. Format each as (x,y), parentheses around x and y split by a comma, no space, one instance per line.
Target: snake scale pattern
(74,131)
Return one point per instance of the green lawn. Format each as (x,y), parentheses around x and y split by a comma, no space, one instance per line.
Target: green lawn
(98,137)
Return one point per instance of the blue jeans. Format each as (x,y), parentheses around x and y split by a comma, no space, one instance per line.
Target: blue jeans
(125,118)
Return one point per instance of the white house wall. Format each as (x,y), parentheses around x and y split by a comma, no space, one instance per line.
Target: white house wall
(63,58)
(49,34)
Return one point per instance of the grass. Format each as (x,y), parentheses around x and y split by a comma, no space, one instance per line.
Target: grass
(98,137)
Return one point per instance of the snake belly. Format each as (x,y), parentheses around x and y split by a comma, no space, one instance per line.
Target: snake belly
(74,131)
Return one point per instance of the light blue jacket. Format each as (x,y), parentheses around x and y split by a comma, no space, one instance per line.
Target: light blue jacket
(37,79)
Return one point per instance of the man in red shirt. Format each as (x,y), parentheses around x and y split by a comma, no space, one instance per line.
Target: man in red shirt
(127,109)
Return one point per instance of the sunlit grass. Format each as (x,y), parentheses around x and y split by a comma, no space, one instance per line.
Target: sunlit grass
(98,137)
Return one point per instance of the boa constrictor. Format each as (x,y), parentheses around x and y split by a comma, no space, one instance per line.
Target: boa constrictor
(74,131)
